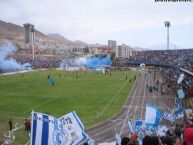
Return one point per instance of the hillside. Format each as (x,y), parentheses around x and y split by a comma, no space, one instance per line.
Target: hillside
(60,38)
(11,31)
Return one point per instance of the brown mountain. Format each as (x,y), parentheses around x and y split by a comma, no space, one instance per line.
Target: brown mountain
(12,31)
(78,42)
(58,37)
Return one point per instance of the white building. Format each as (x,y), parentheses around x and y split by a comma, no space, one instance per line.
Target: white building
(123,51)
(112,44)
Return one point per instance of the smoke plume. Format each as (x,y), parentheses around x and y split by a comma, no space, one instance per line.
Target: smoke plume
(9,65)
(88,62)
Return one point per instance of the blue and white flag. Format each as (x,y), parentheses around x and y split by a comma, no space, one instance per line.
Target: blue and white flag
(178,109)
(140,128)
(161,130)
(48,130)
(74,129)
(168,116)
(152,116)
(138,125)
(150,129)
(142,133)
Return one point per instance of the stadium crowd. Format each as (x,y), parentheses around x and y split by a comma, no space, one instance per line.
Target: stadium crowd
(177,58)
(40,61)
(177,134)
(173,60)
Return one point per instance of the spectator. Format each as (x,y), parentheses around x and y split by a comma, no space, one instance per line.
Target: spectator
(125,140)
(151,140)
(188,135)
(10,124)
(25,124)
(133,139)
(177,131)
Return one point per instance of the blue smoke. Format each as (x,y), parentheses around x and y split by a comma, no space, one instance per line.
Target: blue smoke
(96,62)
(88,62)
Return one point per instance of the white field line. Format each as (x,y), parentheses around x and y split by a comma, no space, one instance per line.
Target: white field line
(116,100)
(171,98)
(128,108)
(143,100)
(129,95)
(51,99)
(137,104)
(156,106)
(113,98)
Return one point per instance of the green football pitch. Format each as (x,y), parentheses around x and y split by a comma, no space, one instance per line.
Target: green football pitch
(94,96)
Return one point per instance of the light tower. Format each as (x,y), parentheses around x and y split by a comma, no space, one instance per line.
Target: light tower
(32,40)
(167,25)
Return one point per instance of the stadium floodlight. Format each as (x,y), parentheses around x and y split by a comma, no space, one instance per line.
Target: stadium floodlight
(167,25)
(33,40)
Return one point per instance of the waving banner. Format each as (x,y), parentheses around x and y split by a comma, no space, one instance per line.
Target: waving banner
(48,130)
(152,115)
(178,112)
(138,125)
(74,128)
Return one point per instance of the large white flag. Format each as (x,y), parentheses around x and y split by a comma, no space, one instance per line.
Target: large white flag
(48,130)
(74,129)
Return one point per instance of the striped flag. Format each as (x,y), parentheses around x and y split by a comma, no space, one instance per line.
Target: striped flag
(138,125)
(178,109)
(168,116)
(48,130)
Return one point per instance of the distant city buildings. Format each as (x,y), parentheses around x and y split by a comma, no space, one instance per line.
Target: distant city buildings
(112,44)
(120,51)
(123,51)
(54,47)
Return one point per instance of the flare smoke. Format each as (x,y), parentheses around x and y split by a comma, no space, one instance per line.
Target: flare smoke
(88,62)
(8,65)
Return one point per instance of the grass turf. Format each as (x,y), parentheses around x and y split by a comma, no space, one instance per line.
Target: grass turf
(95,97)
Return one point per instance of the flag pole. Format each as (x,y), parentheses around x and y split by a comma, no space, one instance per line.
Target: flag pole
(32,113)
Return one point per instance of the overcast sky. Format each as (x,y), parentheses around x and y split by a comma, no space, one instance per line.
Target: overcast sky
(133,22)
